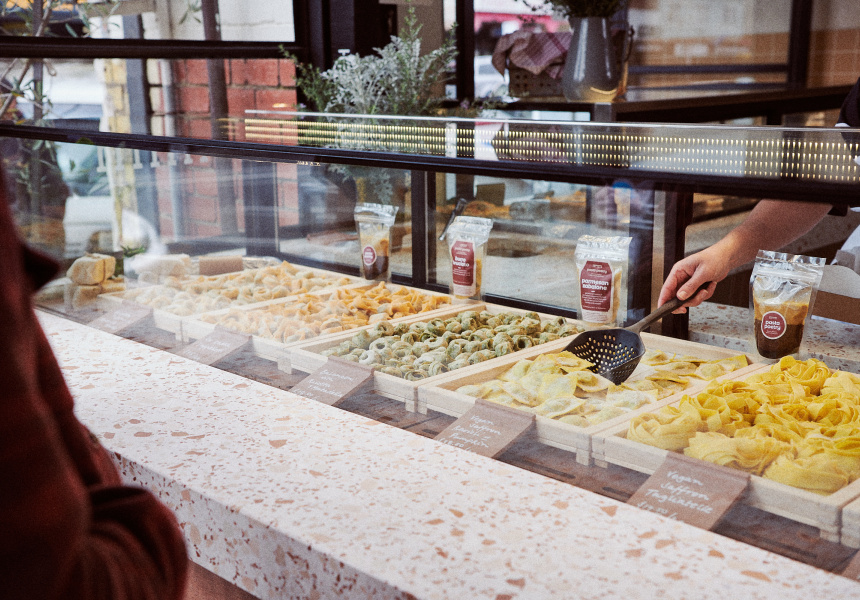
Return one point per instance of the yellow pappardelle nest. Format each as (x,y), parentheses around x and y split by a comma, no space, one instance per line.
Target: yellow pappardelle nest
(560,386)
(796,423)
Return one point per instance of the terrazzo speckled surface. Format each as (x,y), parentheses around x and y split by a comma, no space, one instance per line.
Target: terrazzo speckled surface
(834,342)
(289,498)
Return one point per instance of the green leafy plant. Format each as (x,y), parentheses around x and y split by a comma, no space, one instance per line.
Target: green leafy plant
(397,80)
(579,8)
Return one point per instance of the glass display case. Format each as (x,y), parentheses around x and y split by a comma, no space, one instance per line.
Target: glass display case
(259,231)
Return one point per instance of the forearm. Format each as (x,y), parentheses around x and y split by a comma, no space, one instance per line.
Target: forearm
(771,225)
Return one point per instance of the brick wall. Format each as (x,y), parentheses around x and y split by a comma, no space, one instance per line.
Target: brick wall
(251,85)
(834,56)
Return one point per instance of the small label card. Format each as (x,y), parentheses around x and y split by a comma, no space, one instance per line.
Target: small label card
(216,346)
(690,490)
(129,313)
(334,381)
(487,429)
(852,571)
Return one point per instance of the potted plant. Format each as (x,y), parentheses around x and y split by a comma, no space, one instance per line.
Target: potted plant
(596,60)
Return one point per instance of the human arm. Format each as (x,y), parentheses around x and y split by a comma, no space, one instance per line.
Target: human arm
(69,529)
(770,225)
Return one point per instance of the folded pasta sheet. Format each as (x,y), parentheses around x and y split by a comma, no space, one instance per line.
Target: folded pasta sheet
(560,386)
(796,423)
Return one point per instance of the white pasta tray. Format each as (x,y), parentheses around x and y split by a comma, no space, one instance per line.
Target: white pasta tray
(850,534)
(308,357)
(198,326)
(173,322)
(442,395)
(825,512)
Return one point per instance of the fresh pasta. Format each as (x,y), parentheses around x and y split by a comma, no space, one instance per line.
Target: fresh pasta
(203,294)
(560,386)
(796,423)
(310,315)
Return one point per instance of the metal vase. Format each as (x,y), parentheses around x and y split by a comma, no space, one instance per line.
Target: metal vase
(592,72)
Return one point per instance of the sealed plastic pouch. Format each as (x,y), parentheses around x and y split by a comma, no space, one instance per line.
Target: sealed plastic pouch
(601,268)
(374,222)
(782,290)
(467,241)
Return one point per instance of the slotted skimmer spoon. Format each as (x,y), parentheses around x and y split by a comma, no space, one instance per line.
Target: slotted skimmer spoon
(615,353)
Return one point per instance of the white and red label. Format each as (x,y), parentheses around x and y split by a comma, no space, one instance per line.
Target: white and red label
(773,325)
(368,255)
(463,268)
(595,284)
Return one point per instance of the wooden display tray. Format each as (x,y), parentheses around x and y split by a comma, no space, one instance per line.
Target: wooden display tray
(195,328)
(173,323)
(442,397)
(610,446)
(850,532)
(307,357)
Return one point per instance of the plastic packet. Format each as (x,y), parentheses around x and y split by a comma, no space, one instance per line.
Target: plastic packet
(373,222)
(601,269)
(467,242)
(782,290)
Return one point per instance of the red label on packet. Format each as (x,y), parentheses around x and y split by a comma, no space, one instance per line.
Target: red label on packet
(463,263)
(595,284)
(368,255)
(773,325)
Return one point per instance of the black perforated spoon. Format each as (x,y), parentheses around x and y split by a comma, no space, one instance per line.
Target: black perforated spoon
(615,353)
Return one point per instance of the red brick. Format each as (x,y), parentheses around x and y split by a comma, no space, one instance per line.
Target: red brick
(199,128)
(204,229)
(238,71)
(196,71)
(205,183)
(263,71)
(240,100)
(287,72)
(240,215)
(166,225)
(276,99)
(201,208)
(288,194)
(194,99)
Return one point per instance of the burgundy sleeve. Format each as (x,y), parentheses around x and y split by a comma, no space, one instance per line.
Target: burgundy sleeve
(68,529)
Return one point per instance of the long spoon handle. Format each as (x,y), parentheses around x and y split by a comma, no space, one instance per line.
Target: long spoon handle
(664,310)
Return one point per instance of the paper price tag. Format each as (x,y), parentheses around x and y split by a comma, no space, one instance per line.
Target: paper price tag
(690,490)
(128,314)
(334,381)
(216,346)
(487,429)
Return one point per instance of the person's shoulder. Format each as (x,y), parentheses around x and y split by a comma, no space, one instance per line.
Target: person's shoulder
(849,115)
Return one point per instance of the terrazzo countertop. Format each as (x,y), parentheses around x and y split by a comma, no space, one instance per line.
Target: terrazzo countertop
(834,342)
(288,498)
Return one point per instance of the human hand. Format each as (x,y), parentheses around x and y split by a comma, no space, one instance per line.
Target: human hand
(688,274)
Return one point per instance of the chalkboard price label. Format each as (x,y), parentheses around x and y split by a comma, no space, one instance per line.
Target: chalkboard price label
(487,429)
(691,490)
(334,381)
(127,314)
(215,346)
